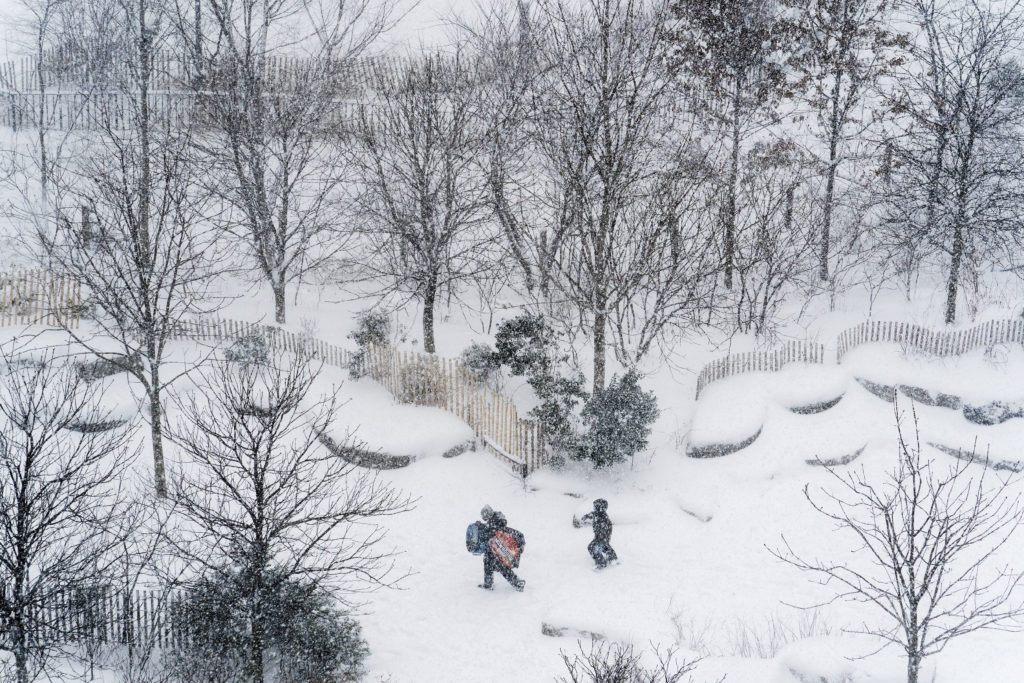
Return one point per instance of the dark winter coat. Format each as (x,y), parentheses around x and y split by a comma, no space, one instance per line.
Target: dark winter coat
(488,533)
(602,526)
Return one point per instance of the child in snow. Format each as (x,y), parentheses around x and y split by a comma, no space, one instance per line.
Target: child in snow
(497,525)
(600,548)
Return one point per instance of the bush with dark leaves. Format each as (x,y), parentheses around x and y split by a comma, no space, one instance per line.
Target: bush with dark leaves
(618,421)
(527,344)
(481,362)
(307,637)
(252,348)
(373,328)
(559,396)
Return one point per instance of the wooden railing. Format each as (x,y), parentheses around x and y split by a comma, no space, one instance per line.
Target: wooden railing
(106,616)
(935,342)
(39,297)
(760,361)
(223,329)
(418,378)
(118,111)
(427,379)
(71,71)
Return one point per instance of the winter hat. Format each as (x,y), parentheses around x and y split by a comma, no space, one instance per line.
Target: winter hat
(486,512)
(600,504)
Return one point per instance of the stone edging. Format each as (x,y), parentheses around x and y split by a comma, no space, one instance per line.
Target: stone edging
(366,458)
(813,408)
(1015,466)
(718,450)
(837,462)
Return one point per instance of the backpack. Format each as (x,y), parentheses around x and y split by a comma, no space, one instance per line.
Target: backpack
(474,542)
(507,546)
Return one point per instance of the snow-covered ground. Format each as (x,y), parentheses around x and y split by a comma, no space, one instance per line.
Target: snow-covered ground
(700,584)
(693,535)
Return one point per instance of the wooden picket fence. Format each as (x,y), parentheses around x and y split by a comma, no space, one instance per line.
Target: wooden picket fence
(116,111)
(418,378)
(223,329)
(935,342)
(140,617)
(68,71)
(760,361)
(39,297)
(431,380)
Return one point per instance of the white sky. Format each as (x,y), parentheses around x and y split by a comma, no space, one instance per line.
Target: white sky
(423,23)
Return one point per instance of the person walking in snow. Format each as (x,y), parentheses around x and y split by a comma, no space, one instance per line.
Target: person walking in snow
(503,547)
(601,547)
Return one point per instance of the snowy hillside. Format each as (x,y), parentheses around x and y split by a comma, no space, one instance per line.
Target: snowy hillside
(692,534)
(302,317)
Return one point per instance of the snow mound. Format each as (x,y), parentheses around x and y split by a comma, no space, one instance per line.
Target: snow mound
(373,419)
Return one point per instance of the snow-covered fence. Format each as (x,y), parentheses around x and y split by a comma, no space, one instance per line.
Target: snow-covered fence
(114,110)
(937,342)
(223,329)
(70,71)
(97,110)
(760,361)
(140,617)
(419,378)
(39,297)
(428,379)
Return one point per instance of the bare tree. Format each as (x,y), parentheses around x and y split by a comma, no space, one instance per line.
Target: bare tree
(848,45)
(505,43)
(930,534)
(603,131)
(960,145)
(260,495)
(601,197)
(728,52)
(45,15)
(773,243)
(619,663)
(274,75)
(423,198)
(62,499)
(46,119)
(145,257)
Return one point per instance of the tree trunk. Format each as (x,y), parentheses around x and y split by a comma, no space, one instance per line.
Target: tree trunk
(44,171)
(18,627)
(956,259)
(835,129)
(913,667)
(157,429)
(258,636)
(198,38)
(826,220)
(731,202)
(600,322)
(279,301)
(159,475)
(147,178)
(429,299)
(19,643)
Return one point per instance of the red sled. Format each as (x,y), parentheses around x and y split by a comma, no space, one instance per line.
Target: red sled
(506,547)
